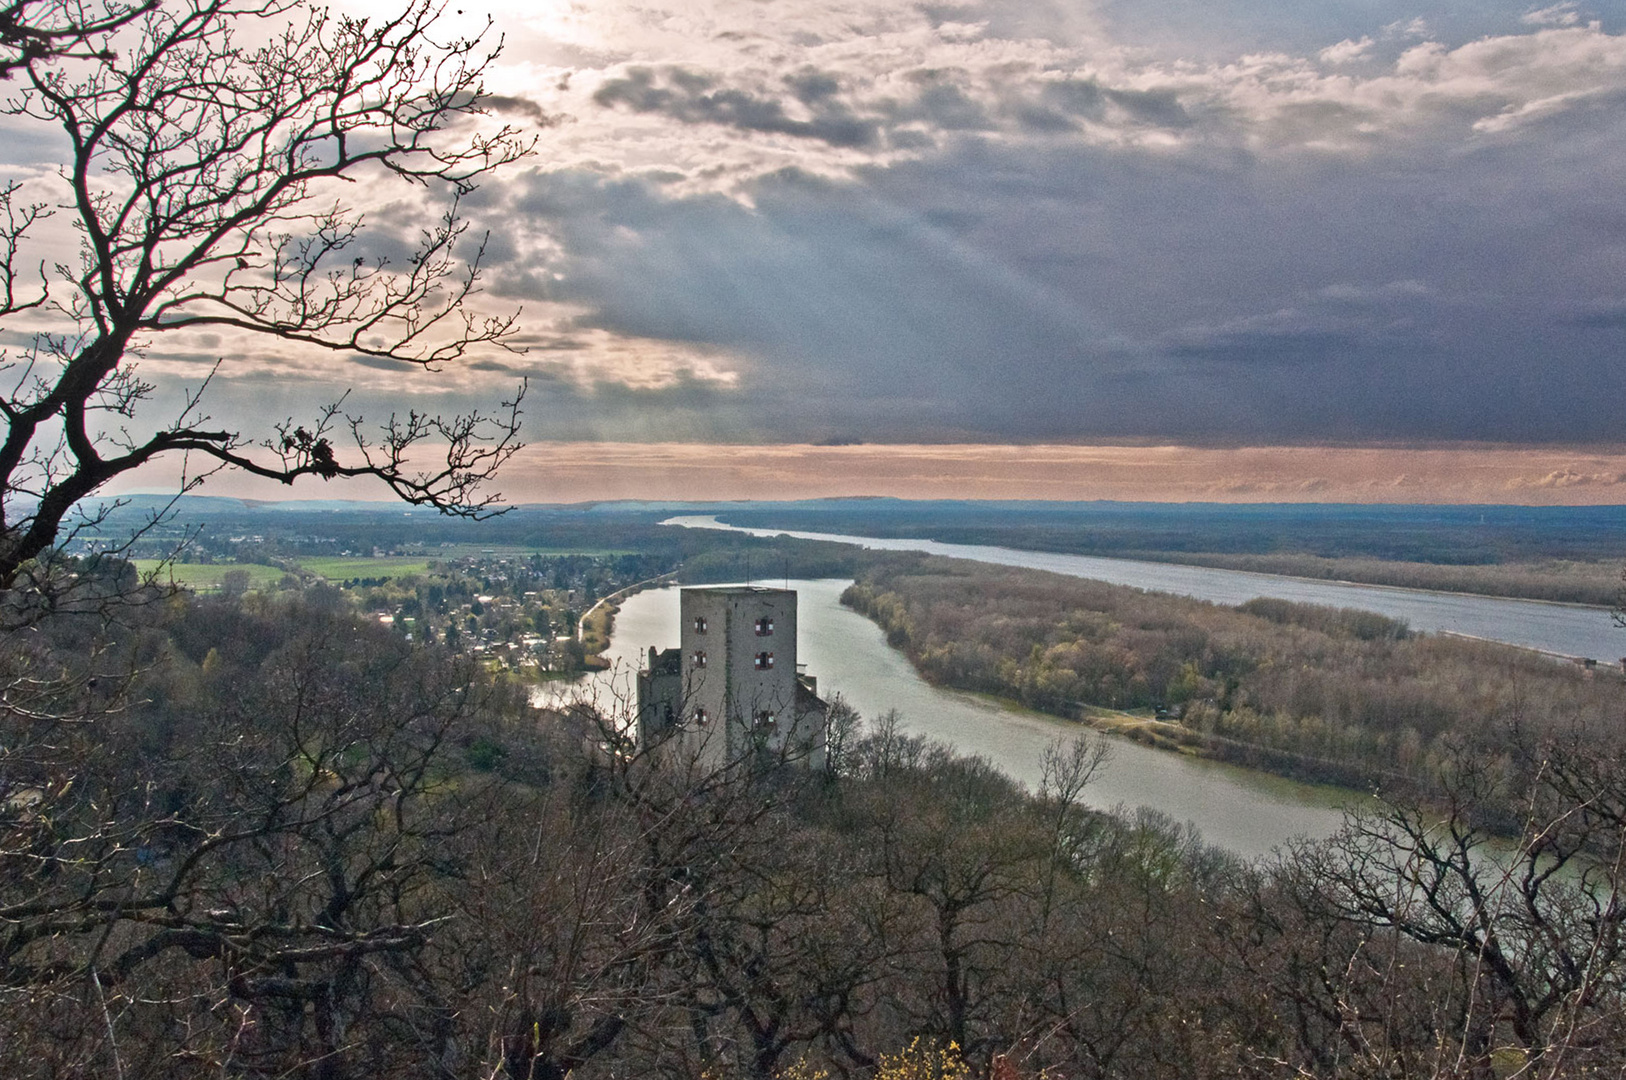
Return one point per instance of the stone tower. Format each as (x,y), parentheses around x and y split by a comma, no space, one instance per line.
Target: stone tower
(731,689)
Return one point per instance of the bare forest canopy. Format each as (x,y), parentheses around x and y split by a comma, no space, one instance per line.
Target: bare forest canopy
(1317,693)
(288,829)
(261,835)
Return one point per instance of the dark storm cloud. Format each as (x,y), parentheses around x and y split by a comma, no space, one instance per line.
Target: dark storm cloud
(696,97)
(993,225)
(942,103)
(1605,316)
(1060,100)
(384,363)
(522,107)
(862,316)
(1270,347)
(1062,293)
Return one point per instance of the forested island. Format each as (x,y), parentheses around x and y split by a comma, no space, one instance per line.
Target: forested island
(1322,694)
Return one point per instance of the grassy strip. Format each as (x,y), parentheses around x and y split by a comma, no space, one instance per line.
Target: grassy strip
(1174,737)
(596,628)
(342,568)
(598,623)
(209,575)
(1169,735)
(1558,580)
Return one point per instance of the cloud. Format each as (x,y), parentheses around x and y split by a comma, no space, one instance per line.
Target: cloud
(1346,51)
(1557,15)
(694,97)
(1567,478)
(522,107)
(1018,220)
(1019,289)
(899,81)
(1268,347)
(1604,315)
(1416,27)
(1366,294)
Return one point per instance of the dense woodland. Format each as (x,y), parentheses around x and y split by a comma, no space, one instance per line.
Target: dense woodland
(1314,692)
(261,835)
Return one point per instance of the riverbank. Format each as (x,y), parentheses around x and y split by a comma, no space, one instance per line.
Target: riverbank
(1170,736)
(594,629)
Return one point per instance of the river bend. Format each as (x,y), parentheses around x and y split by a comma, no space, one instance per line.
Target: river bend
(1245,811)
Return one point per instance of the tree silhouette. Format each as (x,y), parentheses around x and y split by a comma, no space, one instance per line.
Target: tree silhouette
(201,179)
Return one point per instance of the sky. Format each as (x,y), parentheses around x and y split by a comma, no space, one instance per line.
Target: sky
(873,225)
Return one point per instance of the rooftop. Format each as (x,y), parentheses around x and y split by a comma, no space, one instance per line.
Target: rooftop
(738,590)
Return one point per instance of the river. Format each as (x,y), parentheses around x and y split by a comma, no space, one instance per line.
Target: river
(1565,629)
(1244,811)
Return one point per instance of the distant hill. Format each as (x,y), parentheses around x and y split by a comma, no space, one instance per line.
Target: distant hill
(1445,534)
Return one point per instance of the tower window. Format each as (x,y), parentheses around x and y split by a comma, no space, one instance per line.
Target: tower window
(764,661)
(700,624)
(764,627)
(701,717)
(700,658)
(766,720)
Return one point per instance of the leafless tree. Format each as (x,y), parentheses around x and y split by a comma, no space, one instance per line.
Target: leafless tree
(201,180)
(40,31)
(1535,927)
(243,872)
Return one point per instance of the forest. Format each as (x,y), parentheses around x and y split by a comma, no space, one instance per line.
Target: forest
(1322,694)
(260,835)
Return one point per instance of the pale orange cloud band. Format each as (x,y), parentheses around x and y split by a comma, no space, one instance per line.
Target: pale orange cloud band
(582,472)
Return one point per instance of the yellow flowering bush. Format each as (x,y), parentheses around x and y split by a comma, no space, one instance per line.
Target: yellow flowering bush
(928,1062)
(917,1061)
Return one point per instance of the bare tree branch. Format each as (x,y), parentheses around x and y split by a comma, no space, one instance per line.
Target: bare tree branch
(200,183)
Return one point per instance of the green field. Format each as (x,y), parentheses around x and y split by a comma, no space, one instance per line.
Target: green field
(207,576)
(470,551)
(342,568)
(347,567)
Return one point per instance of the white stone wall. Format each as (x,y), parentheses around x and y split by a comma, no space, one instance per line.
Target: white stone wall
(734,691)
